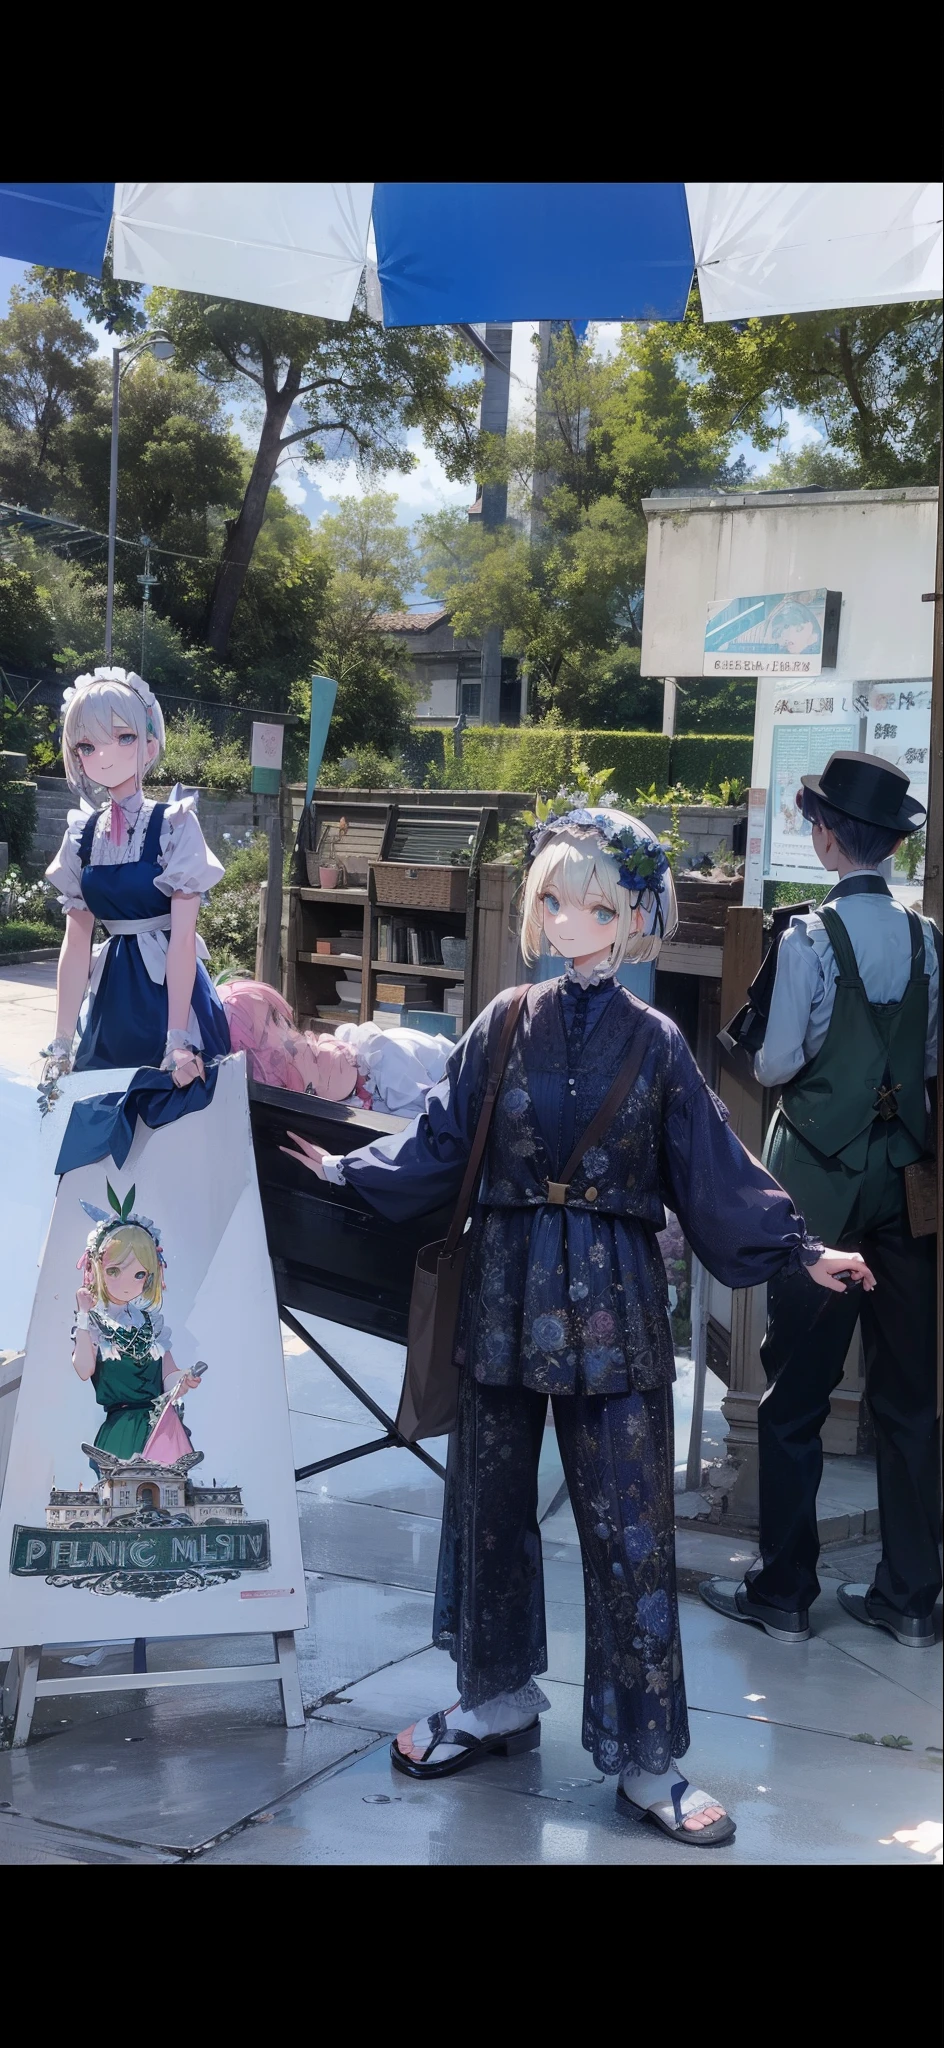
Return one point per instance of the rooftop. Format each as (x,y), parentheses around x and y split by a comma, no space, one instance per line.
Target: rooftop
(409,622)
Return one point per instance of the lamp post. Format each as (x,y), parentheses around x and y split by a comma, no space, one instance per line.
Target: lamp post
(162,348)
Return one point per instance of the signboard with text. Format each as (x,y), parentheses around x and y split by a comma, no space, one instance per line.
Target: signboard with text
(785,633)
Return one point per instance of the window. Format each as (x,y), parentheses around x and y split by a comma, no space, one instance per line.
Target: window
(470,701)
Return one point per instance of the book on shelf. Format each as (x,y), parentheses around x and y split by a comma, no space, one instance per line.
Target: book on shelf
(436,1022)
(401,942)
(393,989)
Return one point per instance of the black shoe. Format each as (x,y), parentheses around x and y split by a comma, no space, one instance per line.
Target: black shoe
(912,1631)
(734,1600)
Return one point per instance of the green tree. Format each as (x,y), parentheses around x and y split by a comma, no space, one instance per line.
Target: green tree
(870,377)
(364,539)
(564,575)
(332,390)
(47,376)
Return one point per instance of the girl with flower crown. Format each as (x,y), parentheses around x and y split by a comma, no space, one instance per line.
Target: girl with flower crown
(565,1297)
(140,868)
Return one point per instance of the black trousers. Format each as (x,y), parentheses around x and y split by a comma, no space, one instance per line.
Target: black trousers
(808,1336)
(618,1459)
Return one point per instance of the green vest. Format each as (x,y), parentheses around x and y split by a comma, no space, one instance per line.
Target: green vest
(855,1116)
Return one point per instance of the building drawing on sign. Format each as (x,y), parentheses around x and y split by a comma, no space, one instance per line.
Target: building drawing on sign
(137,1492)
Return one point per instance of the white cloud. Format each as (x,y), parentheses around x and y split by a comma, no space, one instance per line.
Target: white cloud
(801,432)
(426,489)
(605,336)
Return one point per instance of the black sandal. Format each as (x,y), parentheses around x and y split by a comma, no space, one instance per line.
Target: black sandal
(473,1749)
(710,1837)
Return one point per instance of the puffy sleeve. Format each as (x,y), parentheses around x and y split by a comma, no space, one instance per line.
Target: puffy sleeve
(422,1167)
(189,867)
(738,1220)
(65,872)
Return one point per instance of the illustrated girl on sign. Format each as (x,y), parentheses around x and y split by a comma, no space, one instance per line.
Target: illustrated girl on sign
(120,1340)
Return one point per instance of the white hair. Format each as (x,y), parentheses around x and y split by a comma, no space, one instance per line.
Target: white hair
(91,711)
(568,864)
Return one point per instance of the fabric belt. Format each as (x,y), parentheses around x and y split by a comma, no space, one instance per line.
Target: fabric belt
(133,1407)
(119,927)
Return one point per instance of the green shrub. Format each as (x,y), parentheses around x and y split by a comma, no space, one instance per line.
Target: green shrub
(702,761)
(365,768)
(17,936)
(195,755)
(229,920)
(543,757)
(17,817)
(637,759)
(424,757)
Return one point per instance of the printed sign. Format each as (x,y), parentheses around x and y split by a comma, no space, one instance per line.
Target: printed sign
(266,748)
(788,633)
(151,1476)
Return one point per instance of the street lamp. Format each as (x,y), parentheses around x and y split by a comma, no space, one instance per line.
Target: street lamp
(162,348)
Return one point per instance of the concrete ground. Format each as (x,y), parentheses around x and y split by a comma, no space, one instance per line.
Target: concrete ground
(828,1752)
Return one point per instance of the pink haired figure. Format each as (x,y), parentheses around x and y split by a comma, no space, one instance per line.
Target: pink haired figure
(262,1026)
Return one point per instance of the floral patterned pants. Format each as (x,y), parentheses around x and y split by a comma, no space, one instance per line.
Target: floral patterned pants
(618,1456)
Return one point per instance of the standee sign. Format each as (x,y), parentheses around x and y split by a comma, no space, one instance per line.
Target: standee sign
(785,633)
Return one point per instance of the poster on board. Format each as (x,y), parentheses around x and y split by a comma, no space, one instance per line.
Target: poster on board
(808,726)
(149,1489)
(781,633)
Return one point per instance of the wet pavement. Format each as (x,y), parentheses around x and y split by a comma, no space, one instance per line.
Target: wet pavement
(828,1752)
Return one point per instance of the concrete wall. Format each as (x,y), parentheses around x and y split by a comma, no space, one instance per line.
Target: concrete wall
(876,547)
(218,815)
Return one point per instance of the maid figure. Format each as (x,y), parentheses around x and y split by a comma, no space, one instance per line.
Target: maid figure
(140,868)
(565,1297)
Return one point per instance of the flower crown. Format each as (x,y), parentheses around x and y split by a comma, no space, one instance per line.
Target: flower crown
(641,862)
(129,681)
(106,1221)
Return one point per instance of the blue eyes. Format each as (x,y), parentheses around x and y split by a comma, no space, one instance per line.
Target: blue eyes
(125,739)
(602,915)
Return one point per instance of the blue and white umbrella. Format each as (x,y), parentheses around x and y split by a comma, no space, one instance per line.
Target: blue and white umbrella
(466,254)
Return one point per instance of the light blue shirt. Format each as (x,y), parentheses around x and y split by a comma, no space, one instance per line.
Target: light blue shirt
(805,985)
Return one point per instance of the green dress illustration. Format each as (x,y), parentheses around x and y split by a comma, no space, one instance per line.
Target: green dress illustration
(128,1379)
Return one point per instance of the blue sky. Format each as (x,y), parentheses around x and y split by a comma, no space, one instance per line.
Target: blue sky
(427,488)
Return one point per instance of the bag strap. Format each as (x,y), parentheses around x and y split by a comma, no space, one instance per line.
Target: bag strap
(496,1069)
(625,1081)
(918,958)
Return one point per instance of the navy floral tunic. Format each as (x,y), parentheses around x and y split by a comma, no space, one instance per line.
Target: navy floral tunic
(574,1300)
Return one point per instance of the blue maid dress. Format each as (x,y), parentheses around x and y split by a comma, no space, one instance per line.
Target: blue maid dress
(124,1024)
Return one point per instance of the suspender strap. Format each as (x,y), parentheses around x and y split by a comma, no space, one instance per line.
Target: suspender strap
(496,1069)
(85,843)
(842,947)
(152,838)
(918,962)
(613,1101)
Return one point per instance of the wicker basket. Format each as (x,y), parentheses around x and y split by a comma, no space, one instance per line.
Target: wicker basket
(425,888)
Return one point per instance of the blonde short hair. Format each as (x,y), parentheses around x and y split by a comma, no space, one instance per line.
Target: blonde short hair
(92,713)
(125,1238)
(569,864)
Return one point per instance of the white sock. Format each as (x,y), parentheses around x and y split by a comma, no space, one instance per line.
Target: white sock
(650,1788)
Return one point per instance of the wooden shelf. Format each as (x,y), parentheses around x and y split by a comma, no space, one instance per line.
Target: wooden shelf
(333,895)
(331,959)
(406,970)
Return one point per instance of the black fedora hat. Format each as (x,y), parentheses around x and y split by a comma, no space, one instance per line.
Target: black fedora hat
(865,787)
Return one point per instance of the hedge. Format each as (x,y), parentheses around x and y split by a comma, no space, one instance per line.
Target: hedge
(705,760)
(18,818)
(544,757)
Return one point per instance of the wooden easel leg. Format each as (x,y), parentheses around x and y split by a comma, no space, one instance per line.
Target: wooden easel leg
(29,1673)
(292,1706)
(11,1685)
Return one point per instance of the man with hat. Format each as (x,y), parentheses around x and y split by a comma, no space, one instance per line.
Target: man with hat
(852,1042)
